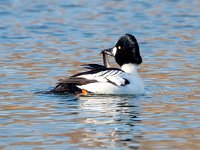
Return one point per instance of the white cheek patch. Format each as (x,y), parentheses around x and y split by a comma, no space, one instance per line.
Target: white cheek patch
(114,50)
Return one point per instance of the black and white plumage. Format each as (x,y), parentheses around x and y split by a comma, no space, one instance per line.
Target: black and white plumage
(102,80)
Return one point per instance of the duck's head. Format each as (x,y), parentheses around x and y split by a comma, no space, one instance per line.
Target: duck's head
(125,51)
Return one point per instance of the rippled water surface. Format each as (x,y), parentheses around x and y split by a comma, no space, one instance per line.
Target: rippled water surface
(42,41)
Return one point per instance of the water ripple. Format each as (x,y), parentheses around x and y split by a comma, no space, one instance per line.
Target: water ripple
(43,41)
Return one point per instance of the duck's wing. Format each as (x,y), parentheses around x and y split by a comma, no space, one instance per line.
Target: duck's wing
(100,73)
(94,67)
(96,73)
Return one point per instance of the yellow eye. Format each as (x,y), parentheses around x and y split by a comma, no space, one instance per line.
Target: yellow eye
(119,47)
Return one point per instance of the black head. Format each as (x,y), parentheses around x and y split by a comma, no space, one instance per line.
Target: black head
(126,50)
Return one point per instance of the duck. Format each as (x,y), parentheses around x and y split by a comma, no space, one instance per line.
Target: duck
(99,79)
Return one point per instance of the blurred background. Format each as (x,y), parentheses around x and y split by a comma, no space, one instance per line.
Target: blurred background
(43,41)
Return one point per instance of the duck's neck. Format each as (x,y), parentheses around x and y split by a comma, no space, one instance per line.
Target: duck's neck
(130,68)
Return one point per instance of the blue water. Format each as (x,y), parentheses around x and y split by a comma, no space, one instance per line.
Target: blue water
(43,41)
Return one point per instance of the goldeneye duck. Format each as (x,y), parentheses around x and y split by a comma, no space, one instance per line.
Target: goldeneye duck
(103,80)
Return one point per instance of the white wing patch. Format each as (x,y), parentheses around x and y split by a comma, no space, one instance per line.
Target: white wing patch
(115,77)
(116,80)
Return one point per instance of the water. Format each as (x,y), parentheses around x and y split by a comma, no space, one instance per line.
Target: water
(43,41)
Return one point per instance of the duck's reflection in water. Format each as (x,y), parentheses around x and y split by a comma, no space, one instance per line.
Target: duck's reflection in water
(110,120)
